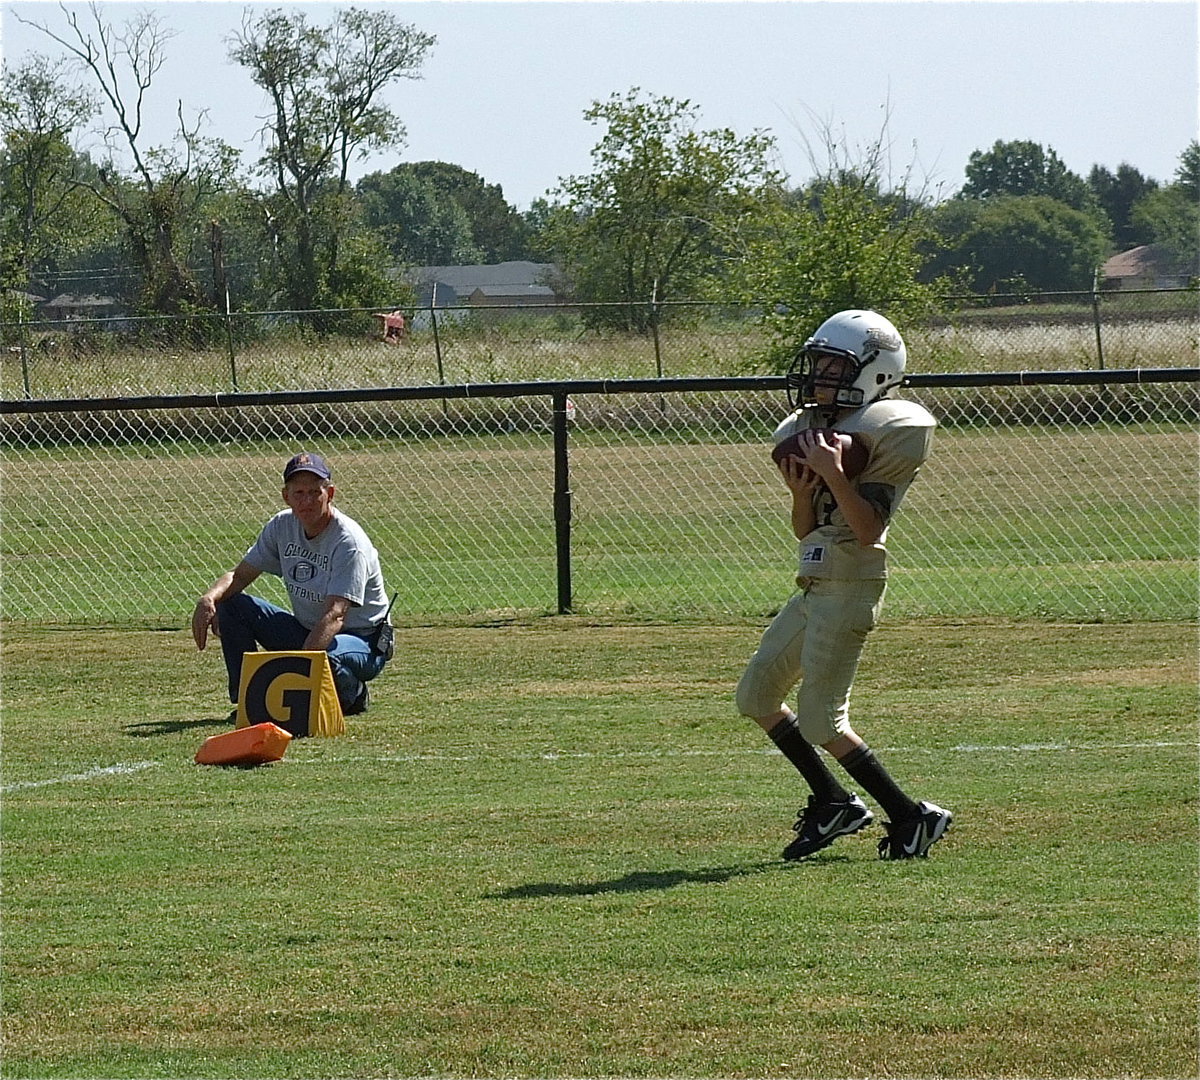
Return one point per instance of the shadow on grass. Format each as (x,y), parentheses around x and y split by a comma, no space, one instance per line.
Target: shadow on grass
(638,881)
(148,729)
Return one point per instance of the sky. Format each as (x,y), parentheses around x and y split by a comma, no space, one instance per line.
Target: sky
(504,89)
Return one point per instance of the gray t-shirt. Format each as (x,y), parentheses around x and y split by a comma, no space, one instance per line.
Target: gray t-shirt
(341,561)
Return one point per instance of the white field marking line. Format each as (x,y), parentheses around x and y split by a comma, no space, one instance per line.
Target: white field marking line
(91,774)
(1071,747)
(575,755)
(557,755)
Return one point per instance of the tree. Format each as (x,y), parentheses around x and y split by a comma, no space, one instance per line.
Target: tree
(1171,215)
(323,84)
(159,203)
(1187,172)
(44,216)
(1117,195)
(419,226)
(840,242)
(497,229)
(1010,243)
(1022,167)
(644,225)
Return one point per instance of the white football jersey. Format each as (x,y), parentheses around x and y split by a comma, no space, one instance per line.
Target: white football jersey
(898,434)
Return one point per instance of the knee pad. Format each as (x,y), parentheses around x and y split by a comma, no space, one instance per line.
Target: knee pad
(756,694)
(820,715)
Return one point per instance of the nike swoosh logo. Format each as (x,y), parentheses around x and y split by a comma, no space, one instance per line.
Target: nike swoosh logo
(915,846)
(825,830)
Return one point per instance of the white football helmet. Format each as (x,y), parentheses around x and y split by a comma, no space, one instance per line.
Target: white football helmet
(872,345)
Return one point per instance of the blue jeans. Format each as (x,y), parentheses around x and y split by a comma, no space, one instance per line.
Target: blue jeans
(245,622)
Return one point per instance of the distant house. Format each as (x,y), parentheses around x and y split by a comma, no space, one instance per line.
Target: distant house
(524,296)
(1147,267)
(18,300)
(70,306)
(22,296)
(516,283)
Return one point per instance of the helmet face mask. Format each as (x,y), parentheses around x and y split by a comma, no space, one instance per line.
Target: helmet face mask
(873,356)
(828,377)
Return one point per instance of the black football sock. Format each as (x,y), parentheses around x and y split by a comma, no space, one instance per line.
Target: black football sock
(862,764)
(804,756)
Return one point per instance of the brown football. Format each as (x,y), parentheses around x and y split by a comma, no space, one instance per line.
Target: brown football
(855,454)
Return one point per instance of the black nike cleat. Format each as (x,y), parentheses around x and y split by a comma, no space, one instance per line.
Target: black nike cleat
(912,839)
(820,824)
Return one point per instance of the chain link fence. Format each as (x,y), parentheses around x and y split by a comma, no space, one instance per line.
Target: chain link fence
(1071,500)
(280,351)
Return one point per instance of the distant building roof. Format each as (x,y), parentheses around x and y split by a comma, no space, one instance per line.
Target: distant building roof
(465,279)
(27,297)
(1149,263)
(447,286)
(70,300)
(499,291)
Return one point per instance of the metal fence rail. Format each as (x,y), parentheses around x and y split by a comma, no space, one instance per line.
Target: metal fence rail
(1065,495)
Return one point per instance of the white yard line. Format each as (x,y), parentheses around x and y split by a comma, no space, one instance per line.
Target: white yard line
(576,755)
(1069,748)
(91,774)
(126,768)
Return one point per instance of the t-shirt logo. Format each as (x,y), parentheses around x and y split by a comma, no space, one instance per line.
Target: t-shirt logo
(813,555)
(303,571)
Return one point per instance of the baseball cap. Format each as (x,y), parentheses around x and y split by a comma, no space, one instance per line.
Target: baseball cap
(306,462)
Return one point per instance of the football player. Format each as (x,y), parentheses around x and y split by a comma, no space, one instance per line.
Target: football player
(845,376)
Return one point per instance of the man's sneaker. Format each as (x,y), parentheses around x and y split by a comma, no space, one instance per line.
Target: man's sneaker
(912,839)
(820,824)
(359,704)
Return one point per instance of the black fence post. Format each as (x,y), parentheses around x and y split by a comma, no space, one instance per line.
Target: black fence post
(562,499)
(229,342)
(437,348)
(23,341)
(1096,319)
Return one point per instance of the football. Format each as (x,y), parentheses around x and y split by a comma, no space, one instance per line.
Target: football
(854,450)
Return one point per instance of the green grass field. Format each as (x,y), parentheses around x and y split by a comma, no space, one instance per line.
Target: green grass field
(550,849)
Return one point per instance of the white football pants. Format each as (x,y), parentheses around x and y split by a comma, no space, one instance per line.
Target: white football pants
(815,640)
